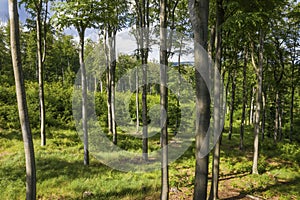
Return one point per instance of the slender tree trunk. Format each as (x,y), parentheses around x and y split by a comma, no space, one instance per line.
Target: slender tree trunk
(259,73)
(277,130)
(218,101)
(179,83)
(40,71)
(145,110)
(292,94)
(143,42)
(232,107)
(137,99)
(227,89)
(280,118)
(21,100)
(252,110)
(264,107)
(199,17)
(164,101)
(292,113)
(84,97)
(112,71)
(108,82)
(138,38)
(241,147)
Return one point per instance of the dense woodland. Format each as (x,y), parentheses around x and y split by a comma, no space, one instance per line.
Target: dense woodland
(255,45)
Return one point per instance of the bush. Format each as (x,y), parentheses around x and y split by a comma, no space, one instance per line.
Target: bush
(58,105)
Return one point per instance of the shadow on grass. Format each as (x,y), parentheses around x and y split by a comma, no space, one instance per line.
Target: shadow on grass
(53,167)
(233,175)
(283,187)
(133,193)
(11,135)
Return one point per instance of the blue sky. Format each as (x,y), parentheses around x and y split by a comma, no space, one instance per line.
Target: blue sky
(4,11)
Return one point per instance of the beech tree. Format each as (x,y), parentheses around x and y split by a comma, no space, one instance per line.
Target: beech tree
(217,100)
(39,11)
(21,100)
(82,15)
(199,17)
(164,101)
(142,36)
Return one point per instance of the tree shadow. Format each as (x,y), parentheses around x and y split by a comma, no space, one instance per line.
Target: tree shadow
(233,175)
(11,134)
(132,192)
(53,167)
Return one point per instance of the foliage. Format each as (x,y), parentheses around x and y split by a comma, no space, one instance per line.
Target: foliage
(58,106)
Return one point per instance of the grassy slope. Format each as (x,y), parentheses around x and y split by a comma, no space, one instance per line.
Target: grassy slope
(61,174)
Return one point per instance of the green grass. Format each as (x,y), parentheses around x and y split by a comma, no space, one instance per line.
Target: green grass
(62,175)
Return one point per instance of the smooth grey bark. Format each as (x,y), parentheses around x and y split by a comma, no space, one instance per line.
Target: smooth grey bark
(86,160)
(21,100)
(264,114)
(278,117)
(252,110)
(145,45)
(179,82)
(293,86)
(278,75)
(108,82)
(232,107)
(164,101)
(259,76)
(198,10)
(243,120)
(218,94)
(112,72)
(137,100)
(41,59)
(143,24)
(292,108)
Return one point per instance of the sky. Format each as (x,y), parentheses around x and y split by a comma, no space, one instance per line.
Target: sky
(126,43)
(4,11)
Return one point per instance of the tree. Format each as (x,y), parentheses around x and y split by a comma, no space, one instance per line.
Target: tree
(243,120)
(164,101)
(199,18)
(21,100)
(113,18)
(82,15)
(259,76)
(142,36)
(36,8)
(292,43)
(217,100)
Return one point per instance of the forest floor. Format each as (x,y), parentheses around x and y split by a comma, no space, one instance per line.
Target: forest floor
(62,175)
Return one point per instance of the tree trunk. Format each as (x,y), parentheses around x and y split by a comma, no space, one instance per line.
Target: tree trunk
(293,56)
(84,97)
(259,74)
(252,110)
(233,86)
(164,101)
(292,113)
(241,147)
(199,17)
(143,42)
(108,82)
(137,99)
(112,71)
(40,71)
(179,83)
(277,125)
(21,100)
(218,100)
(263,120)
